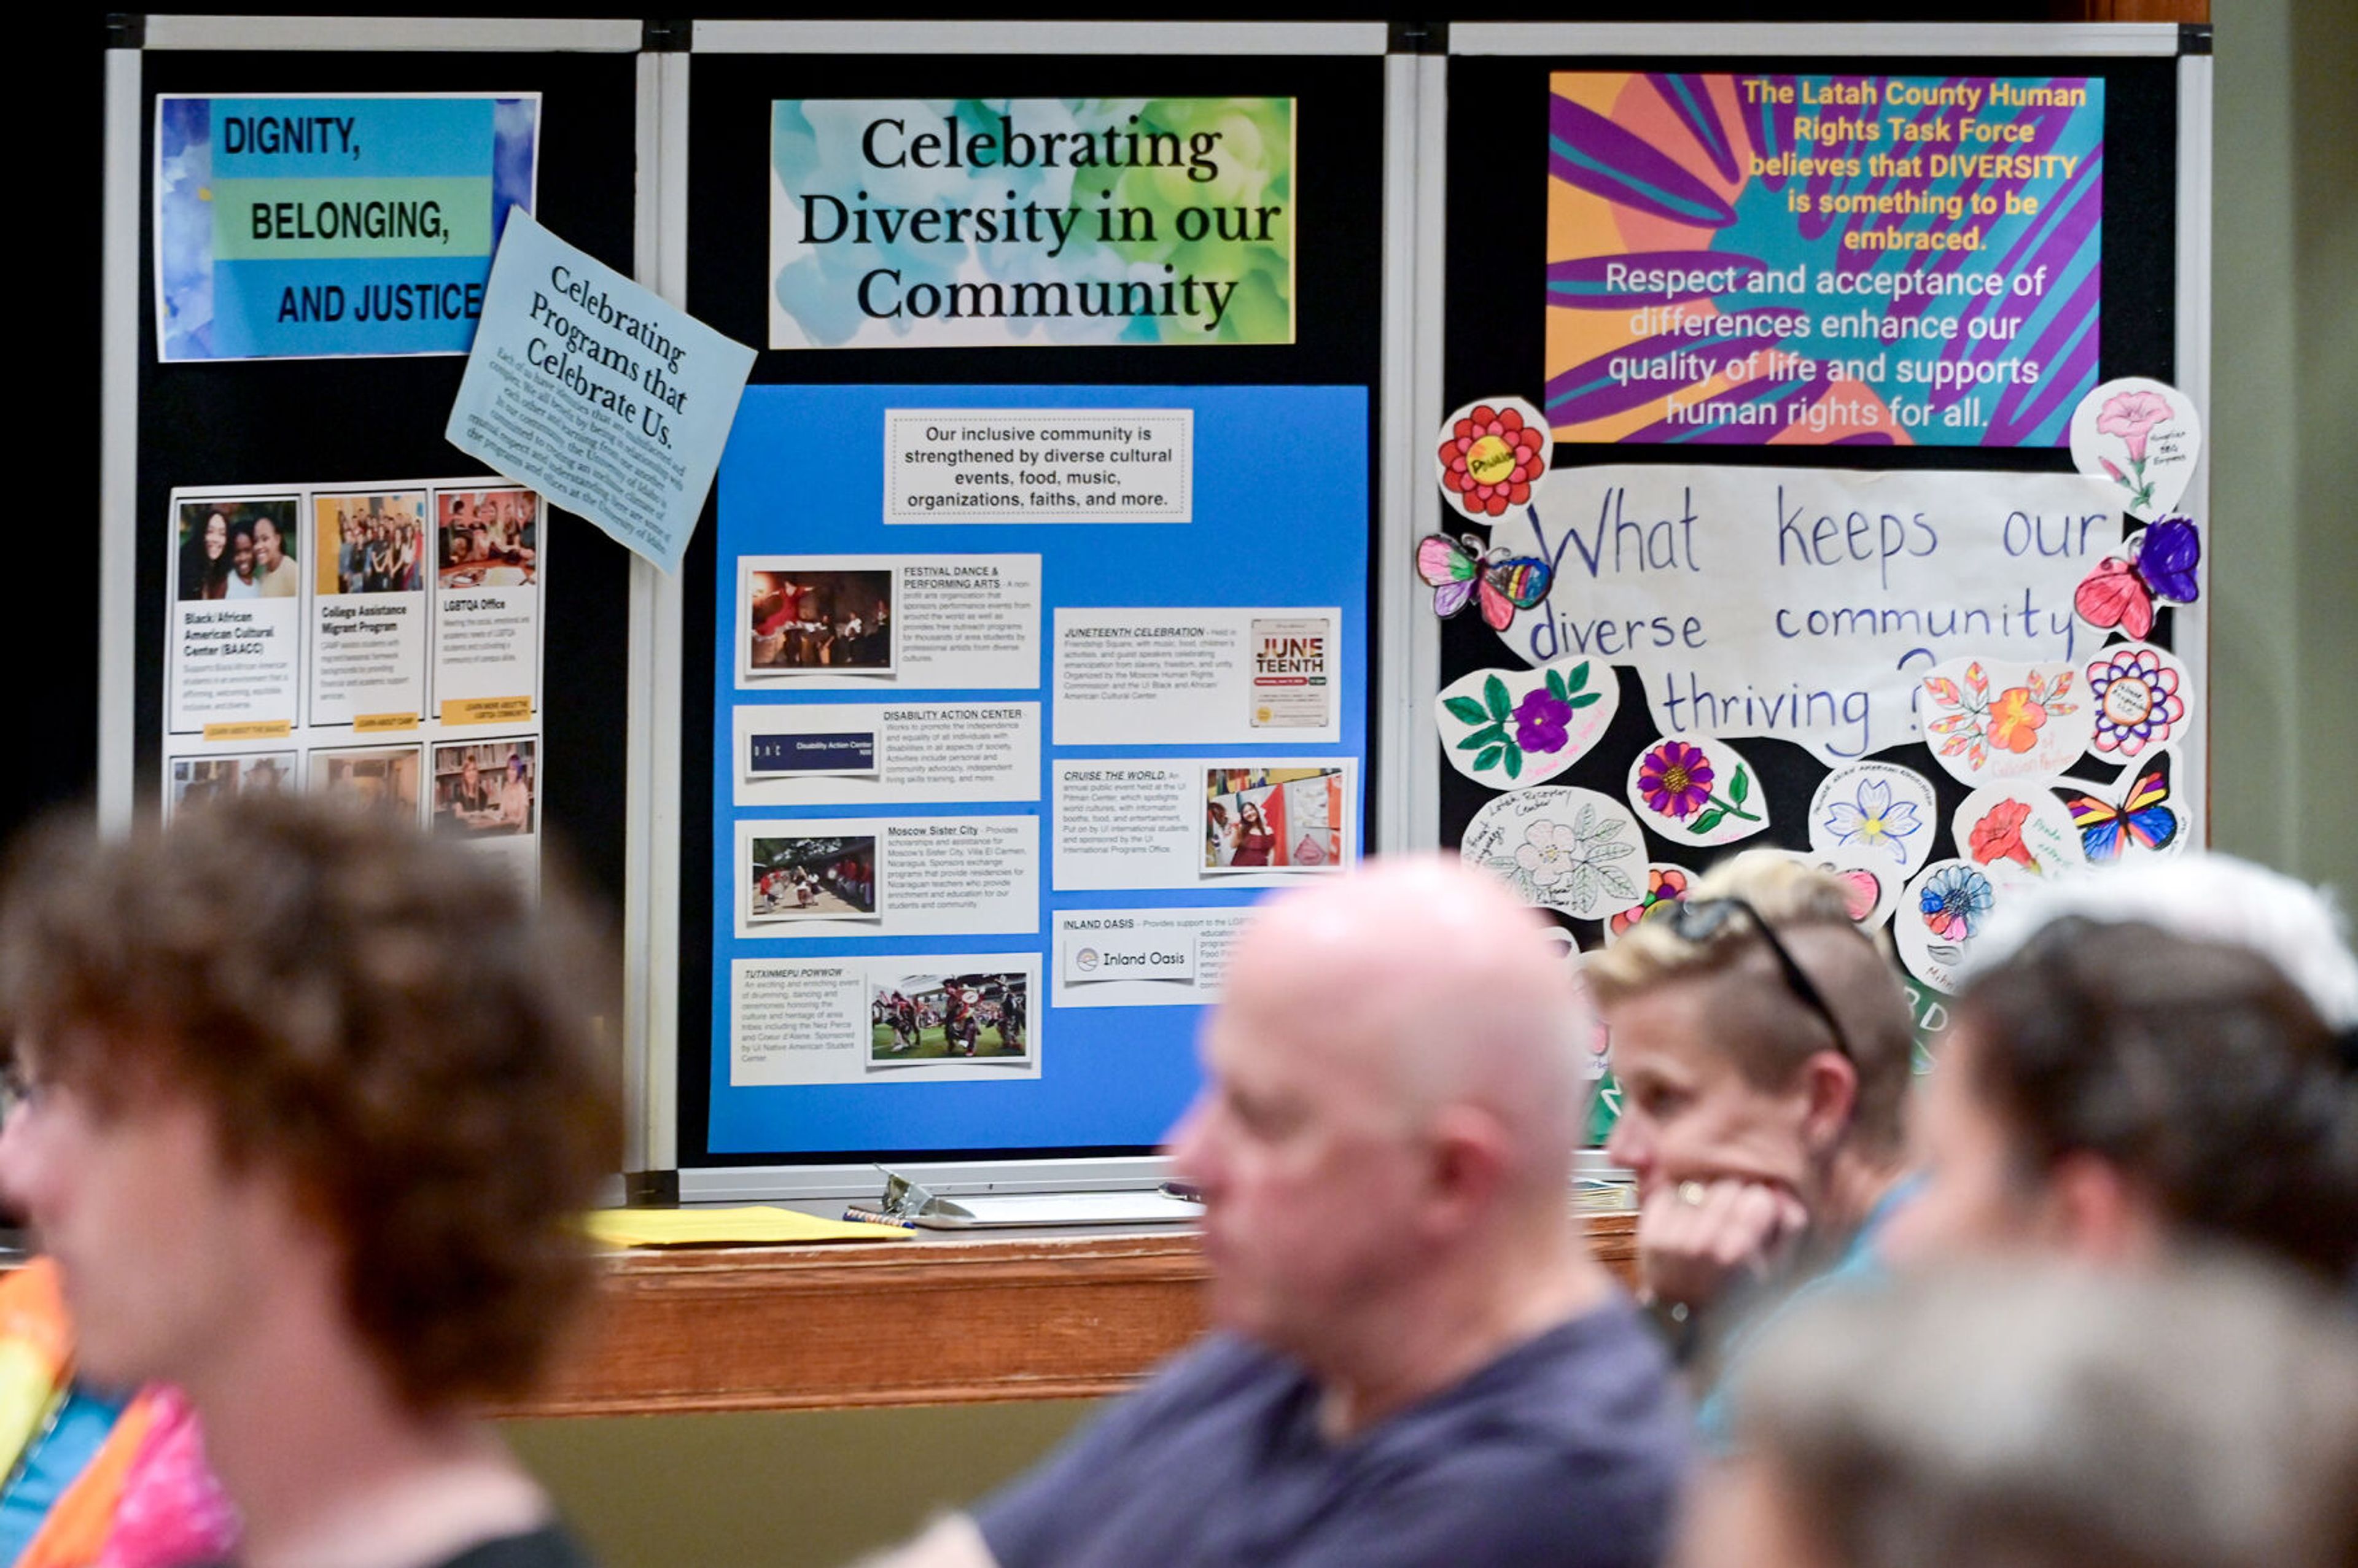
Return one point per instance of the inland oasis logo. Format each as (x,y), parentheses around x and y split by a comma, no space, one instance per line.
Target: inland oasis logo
(975,223)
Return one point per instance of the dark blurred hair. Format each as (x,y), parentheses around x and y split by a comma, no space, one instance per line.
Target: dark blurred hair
(2195,1068)
(386,1019)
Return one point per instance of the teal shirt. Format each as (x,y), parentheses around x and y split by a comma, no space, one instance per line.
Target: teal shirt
(1860,1267)
(53,1461)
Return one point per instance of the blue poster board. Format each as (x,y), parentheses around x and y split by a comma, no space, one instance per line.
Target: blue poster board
(846,693)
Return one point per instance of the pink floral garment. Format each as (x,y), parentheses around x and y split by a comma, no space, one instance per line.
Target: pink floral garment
(172,1513)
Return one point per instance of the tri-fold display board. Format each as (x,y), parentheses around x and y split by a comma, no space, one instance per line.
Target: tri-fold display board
(1183,460)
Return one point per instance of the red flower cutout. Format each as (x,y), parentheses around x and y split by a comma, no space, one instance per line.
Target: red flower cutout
(1490,460)
(1998,835)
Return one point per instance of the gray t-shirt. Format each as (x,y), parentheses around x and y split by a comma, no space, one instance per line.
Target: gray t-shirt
(1566,1451)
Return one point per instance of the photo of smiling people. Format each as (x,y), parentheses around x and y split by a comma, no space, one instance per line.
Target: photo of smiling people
(379,777)
(371,543)
(236,549)
(818,621)
(487,538)
(1272,819)
(810,878)
(928,1016)
(484,788)
(198,780)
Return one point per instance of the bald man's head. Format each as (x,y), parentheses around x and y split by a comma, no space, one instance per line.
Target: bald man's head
(1394,1079)
(1430,985)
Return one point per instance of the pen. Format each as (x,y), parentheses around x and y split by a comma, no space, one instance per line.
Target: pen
(1181,1191)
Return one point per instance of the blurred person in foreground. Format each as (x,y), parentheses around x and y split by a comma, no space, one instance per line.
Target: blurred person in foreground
(1761,1041)
(2113,1090)
(310,1102)
(1415,1361)
(2055,1417)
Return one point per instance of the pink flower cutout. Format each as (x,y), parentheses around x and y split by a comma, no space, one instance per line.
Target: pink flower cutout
(2131,415)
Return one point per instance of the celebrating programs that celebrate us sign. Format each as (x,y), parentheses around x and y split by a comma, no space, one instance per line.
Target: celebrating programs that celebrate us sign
(1764,258)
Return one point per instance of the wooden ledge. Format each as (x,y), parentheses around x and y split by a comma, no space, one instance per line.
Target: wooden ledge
(925,1322)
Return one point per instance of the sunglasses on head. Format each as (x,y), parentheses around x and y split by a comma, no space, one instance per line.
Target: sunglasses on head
(1699,920)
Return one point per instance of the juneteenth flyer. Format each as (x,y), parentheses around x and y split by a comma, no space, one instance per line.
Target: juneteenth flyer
(1754,259)
(307,227)
(1003,222)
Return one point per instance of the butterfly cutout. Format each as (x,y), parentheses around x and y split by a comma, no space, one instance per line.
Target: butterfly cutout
(1462,569)
(2158,562)
(2144,814)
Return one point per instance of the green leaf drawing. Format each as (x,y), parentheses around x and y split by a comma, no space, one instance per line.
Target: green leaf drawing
(1584,699)
(1492,735)
(1494,693)
(1466,709)
(1488,759)
(1705,821)
(1555,686)
(1579,675)
(1584,886)
(1514,761)
(1619,885)
(1612,851)
(1740,789)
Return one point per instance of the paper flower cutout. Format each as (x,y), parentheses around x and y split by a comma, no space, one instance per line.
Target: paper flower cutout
(1676,780)
(1974,723)
(1540,720)
(2132,416)
(2137,700)
(1871,821)
(1665,886)
(1953,901)
(1998,835)
(1490,459)
(1571,866)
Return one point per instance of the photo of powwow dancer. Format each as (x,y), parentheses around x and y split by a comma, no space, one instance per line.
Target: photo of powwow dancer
(812,879)
(926,1017)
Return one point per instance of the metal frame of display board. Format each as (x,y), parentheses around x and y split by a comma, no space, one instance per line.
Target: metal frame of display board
(1805,41)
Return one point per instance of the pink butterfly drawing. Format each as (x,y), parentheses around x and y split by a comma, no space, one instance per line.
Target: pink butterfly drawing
(1462,569)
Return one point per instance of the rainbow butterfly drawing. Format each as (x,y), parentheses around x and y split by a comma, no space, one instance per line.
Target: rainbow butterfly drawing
(1462,569)
(2143,815)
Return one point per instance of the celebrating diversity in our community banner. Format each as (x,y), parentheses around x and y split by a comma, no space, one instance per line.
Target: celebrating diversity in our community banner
(1001,223)
(1871,259)
(306,227)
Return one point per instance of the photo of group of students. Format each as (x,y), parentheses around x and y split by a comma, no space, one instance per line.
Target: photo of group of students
(237,549)
(484,788)
(371,543)
(921,1017)
(821,620)
(820,878)
(488,538)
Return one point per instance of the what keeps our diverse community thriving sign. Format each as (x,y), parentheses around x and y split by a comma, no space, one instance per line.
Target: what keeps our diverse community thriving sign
(293,227)
(1815,259)
(983,223)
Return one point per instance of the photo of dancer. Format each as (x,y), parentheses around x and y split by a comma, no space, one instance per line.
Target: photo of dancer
(201,781)
(809,621)
(219,556)
(810,878)
(484,788)
(379,777)
(928,1017)
(1273,820)
(371,543)
(487,538)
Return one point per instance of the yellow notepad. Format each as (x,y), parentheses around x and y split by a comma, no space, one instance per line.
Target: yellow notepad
(723,1227)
